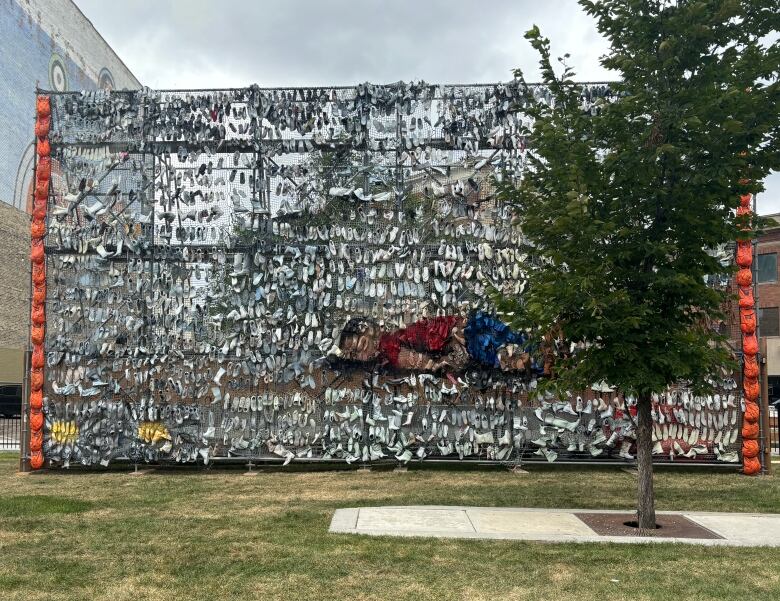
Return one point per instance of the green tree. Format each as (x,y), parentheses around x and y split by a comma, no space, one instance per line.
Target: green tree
(623,203)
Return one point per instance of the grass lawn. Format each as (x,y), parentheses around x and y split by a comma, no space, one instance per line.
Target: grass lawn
(222,536)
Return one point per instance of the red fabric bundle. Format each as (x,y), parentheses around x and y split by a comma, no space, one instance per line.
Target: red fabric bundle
(36,460)
(39,273)
(39,211)
(42,194)
(750,344)
(38,358)
(42,188)
(43,106)
(39,295)
(43,147)
(751,388)
(42,126)
(36,379)
(744,254)
(36,399)
(38,229)
(37,254)
(747,321)
(43,171)
(744,278)
(746,300)
(38,332)
(750,448)
(752,412)
(751,466)
(39,316)
(36,440)
(750,430)
(36,419)
(751,366)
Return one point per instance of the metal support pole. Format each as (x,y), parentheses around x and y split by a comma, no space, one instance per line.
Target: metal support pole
(398,168)
(765,437)
(24,433)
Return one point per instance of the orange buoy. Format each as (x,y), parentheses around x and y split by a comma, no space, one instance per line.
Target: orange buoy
(43,106)
(750,430)
(750,448)
(36,419)
(36,460)
(752,412)
(36,440)
(36,379)
(751,466)
(36,399)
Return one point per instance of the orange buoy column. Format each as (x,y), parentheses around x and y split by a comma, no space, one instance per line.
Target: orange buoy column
(38,258)
(751,389)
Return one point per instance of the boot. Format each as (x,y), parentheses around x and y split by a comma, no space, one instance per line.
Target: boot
(625,447)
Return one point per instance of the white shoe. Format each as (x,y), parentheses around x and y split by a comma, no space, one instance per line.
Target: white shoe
(404,457)
(486,438)
(505,440)
(625,447)
(375,453)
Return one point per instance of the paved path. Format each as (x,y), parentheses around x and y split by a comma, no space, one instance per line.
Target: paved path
(548,525)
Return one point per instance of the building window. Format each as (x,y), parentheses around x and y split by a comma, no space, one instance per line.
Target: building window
(769,321)
(774,389)
(766,268)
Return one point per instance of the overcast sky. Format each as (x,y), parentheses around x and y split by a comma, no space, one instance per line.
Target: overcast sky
(233,43)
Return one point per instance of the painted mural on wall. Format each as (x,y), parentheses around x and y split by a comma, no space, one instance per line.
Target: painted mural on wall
(304,274)
(52,45)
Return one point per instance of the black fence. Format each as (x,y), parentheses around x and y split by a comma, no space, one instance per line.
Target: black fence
(774,431)
(10,433)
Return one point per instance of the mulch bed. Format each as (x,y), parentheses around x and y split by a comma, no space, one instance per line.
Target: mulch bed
(672,526)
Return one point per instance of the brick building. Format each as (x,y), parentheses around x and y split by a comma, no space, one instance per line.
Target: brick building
(768,289)
(50,44)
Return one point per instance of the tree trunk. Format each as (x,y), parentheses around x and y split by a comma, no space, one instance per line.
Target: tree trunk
(645,509)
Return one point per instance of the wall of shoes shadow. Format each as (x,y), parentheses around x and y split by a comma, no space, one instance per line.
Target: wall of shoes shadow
(204,250)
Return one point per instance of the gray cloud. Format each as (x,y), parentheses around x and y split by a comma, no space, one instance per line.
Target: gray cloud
(233,43)
(202,43)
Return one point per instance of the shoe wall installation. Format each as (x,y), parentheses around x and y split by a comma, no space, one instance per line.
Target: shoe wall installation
(304,274)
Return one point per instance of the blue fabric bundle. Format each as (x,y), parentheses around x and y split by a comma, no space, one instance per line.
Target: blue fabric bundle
(485,335)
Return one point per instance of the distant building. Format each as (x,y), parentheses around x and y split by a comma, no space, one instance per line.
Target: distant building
(768,289)
(51,44)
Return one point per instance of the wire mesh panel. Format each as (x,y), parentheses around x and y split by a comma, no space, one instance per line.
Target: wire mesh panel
(305,274)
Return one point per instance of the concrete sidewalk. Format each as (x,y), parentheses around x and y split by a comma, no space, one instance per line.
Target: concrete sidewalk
(547,525)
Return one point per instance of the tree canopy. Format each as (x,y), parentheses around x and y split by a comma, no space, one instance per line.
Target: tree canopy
(624,204)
